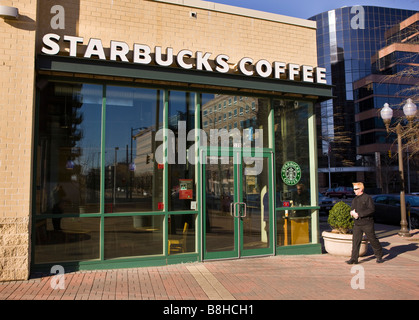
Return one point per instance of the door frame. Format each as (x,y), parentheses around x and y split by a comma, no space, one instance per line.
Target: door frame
(238,251)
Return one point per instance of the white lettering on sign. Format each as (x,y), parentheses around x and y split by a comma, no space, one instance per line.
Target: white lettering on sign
(181,59)
(141,54)
(242,66)
(52,46)
(185,59)
(221,61)
(293,70)
(202,61)
(73,44)
(263,68)
(95,48)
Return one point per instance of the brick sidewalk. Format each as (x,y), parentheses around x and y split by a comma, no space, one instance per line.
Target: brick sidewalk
(302,277)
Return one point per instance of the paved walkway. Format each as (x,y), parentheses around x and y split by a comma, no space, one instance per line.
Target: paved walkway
(303,277)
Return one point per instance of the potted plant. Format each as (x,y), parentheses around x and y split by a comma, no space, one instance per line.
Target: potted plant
(339,240)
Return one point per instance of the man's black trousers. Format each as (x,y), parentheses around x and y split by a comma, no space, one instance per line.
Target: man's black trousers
(360,226)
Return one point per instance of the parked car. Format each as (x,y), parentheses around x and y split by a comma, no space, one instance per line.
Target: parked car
(326,203)
(387,209)
(340,192)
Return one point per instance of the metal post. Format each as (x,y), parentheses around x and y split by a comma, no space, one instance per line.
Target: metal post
(404,232)
(328,165)
(408,170)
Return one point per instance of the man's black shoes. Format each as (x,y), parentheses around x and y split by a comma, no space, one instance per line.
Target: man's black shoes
(351,261)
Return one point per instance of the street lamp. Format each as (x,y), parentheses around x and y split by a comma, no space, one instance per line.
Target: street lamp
(386,113)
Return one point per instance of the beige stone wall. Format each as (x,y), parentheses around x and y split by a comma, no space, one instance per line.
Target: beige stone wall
(17,68)
(14,248)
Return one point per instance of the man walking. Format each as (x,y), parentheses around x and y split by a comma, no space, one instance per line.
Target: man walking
(363,212)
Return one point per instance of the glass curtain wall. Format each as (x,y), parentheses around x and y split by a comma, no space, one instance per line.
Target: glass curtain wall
(182,178)
(99,190)
(133,182)
(68,159)
(235,122)
(292,160)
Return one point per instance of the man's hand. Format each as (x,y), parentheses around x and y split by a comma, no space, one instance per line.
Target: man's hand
(354,214)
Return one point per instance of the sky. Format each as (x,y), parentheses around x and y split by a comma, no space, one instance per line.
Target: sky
(308,8)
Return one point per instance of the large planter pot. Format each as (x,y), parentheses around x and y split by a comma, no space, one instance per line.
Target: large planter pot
(341,244)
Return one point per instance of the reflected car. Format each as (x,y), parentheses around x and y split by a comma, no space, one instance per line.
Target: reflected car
(326,203)
(387,209)
(340,192)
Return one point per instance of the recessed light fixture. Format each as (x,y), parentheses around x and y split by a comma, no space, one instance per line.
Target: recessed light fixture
(7,12)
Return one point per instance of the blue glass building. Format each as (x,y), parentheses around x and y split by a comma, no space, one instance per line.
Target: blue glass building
(347,39)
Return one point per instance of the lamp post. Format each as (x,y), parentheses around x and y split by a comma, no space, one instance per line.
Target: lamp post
(386,113)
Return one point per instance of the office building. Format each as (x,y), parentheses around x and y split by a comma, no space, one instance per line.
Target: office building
(348,38)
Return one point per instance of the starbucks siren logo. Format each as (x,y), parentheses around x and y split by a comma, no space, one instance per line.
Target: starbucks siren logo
(291,173)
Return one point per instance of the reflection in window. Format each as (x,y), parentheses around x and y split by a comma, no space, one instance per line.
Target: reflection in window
(292,144)
(292,230)
(291,139)
(133,180)
(68,150)
(181,233)
(78,239)
(255,117)
(182,182)
(133,236)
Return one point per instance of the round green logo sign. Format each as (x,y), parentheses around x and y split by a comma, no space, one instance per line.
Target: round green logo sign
(291,173)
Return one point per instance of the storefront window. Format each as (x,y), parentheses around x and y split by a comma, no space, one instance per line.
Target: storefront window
(100,184)
(133,180)
(77,240)
(68,150)
(182,180)
(181,233)
(292,152)
(293,172)
(133,236)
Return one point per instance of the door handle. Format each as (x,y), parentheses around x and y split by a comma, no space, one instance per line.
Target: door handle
(235,205)
(245,208)
(233,212)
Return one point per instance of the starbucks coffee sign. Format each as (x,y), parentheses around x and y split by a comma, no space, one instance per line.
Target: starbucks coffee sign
(291,173)
(54,44)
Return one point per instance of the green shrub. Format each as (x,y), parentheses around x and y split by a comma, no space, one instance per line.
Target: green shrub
(340,218)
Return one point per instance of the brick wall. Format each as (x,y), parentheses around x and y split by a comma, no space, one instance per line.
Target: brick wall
(17,39)
(169,25)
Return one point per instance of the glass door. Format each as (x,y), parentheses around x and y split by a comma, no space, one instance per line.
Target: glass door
(238,205)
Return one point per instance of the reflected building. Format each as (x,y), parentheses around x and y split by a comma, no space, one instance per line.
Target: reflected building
(69,149)
(144,151)
(230,112)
